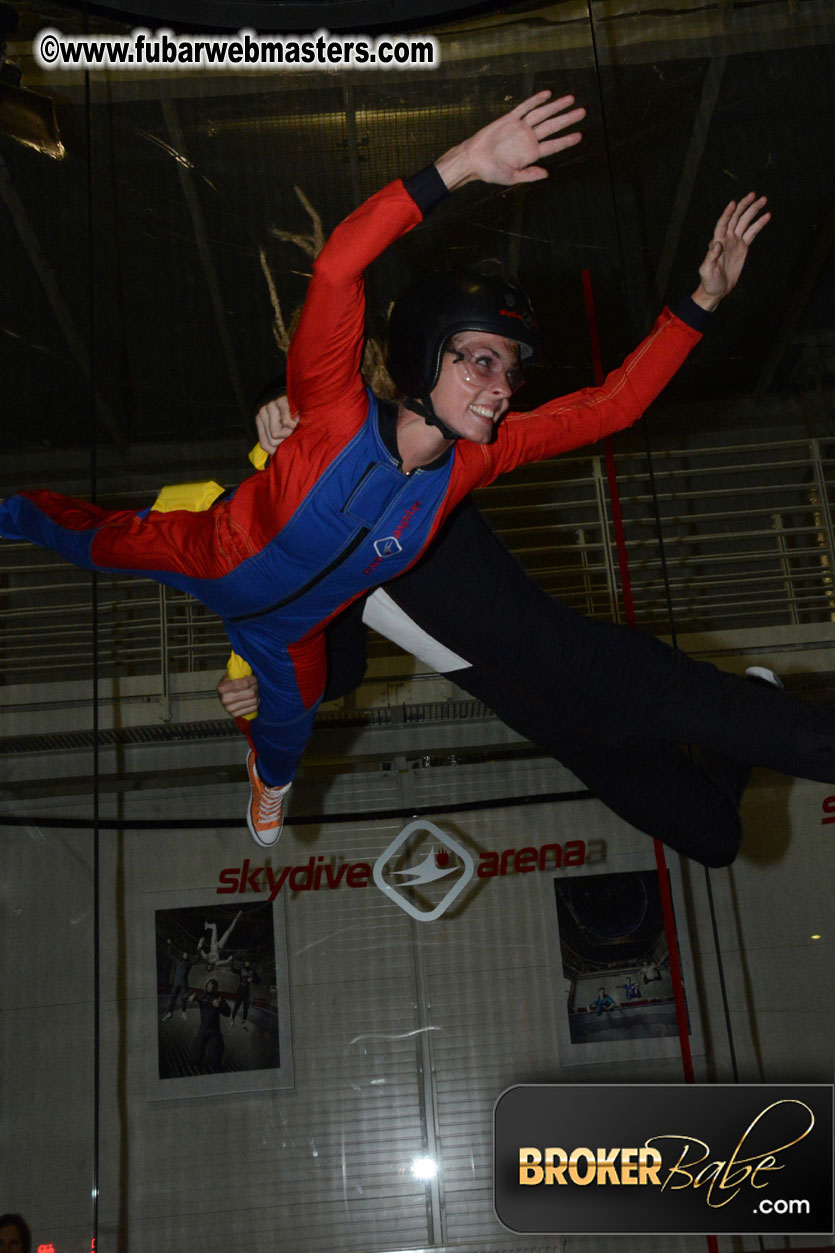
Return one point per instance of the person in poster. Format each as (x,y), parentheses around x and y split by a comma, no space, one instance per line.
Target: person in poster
(185,962)
(210,949)
(247,976)
(208,1046)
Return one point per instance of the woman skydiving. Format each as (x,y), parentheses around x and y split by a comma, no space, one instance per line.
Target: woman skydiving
(363,489)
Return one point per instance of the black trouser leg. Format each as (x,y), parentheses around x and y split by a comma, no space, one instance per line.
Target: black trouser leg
(605,699)
(690,804)
(214,1052)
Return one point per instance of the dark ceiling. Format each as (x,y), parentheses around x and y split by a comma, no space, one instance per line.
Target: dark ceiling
(287,15)
(143,256)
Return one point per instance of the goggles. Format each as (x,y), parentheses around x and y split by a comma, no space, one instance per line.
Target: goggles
(483,367)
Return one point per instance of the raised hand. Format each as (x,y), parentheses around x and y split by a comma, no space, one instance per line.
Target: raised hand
(737,228)
(507,150)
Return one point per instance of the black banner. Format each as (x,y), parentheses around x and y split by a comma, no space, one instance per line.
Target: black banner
(678,1159)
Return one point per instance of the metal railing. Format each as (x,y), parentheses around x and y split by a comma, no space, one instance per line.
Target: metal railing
(747,541)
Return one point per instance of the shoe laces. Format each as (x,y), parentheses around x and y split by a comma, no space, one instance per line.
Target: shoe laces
(270,801)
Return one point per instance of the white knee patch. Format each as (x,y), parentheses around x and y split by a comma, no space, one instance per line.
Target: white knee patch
(385,616)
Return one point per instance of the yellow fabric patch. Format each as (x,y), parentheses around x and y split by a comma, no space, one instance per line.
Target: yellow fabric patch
(259,458)
(194,497)
(237,668)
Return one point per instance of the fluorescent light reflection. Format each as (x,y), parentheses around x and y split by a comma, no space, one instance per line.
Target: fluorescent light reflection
(424,1168)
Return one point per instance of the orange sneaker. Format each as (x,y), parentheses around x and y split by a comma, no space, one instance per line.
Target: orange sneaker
(265,814)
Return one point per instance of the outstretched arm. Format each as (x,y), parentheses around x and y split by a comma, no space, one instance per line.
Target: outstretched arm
(325,354)
(586,416)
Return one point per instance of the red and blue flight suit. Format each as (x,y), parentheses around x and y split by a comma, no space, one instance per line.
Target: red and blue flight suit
(334,514)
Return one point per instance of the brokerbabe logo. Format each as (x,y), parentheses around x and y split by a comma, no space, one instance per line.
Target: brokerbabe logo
(662,1158)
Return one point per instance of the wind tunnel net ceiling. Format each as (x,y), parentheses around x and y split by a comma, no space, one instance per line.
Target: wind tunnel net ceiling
(211,190)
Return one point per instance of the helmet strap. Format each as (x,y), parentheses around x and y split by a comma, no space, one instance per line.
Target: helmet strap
(426,410)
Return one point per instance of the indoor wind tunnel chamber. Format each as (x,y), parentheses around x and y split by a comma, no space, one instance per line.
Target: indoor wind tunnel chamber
(151,274)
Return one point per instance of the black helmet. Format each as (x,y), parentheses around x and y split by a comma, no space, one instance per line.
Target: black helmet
(440,305)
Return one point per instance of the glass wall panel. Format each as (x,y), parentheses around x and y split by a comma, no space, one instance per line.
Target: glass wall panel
(333,1088)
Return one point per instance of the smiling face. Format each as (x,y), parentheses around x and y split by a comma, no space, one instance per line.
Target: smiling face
(477,378)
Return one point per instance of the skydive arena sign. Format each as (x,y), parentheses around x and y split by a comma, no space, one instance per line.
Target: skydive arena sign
(690,1159)
(423,870)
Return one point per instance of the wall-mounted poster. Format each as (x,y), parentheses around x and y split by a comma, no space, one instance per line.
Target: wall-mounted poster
(218,998)
(611,961)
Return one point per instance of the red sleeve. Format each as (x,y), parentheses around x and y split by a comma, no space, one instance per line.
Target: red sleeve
(323,367)
(588,415)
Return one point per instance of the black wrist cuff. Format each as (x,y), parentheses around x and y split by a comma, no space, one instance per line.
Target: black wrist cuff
(426,188)
(271,391)
(691,313)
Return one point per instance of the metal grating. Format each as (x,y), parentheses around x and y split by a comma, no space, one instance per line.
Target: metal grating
(225,729)
(747,535)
